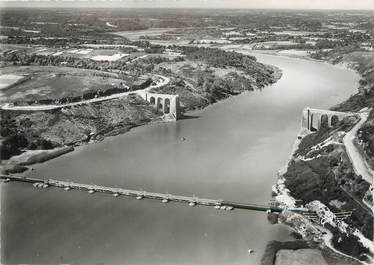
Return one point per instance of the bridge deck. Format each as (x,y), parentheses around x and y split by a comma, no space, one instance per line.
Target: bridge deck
(144,194)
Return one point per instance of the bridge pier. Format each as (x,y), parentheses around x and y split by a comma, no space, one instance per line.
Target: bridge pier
(314,119)
(167,104)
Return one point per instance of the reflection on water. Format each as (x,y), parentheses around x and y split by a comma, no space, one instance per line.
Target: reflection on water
(231,151)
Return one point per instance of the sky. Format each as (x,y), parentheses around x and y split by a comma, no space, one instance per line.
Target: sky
(266,4)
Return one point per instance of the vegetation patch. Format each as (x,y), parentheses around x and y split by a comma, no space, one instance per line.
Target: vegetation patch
(50,84)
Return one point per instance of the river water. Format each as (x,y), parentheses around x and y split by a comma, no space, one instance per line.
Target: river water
(232,150)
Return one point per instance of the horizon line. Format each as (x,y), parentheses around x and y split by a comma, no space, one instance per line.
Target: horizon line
(166,8)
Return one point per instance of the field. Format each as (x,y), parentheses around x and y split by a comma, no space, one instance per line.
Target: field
(87,53)
(135,35)
(9,79)
(364,62)
(274,44)
(49,82)
(96,53)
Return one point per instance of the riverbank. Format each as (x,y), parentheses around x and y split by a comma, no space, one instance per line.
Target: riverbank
(77,125)
(44,127)
(321,165)
(363,63)
(310,162)
(154,158)
(89,114)
(300,181)
(43,134)
(17,164)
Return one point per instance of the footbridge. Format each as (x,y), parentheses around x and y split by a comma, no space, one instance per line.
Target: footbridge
(139,195)
(314,119)
(271,207)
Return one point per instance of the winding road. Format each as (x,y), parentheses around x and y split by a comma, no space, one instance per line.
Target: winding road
(162,81)
(359,163)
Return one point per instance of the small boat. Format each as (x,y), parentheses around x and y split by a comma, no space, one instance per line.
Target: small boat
(223,207)
(139,197)
(7,180)
(192,204)
(67,188)
(229,208)
(250,251)
(165,200)
(115,194)
(217,207)
(91,191)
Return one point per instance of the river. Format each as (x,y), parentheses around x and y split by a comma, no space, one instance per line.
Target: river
(232,150)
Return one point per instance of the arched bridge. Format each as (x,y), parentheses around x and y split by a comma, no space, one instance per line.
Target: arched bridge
(314,119)
(165,103)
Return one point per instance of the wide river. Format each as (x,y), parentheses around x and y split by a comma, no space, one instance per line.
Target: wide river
(232,150)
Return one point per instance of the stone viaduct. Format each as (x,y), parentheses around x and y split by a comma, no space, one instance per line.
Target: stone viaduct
(165,103)
(313,119)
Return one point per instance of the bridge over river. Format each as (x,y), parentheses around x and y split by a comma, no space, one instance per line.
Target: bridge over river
(165,198)
(165,103)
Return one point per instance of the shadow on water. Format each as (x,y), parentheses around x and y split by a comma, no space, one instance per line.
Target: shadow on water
(188,117)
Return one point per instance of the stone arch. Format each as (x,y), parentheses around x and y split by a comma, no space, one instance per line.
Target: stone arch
(159,104)
(152,100)
(324,121)
(167,105)
(334,120)
(311,126)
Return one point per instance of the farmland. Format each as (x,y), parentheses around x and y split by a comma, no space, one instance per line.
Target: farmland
(50,82)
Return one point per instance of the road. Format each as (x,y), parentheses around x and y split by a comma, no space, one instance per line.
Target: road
(163,80)
(359,163)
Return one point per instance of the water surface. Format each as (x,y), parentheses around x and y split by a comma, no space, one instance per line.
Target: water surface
(232,151)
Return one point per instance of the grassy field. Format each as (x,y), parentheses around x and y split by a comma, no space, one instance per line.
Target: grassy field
(136,34)
(49,82)
(88,52)
(364,64)
(9,79)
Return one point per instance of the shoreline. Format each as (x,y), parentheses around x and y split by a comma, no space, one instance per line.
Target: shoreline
(119,131)
(277,75)
(345,66)
(19,163)
(15,167)
(282,195)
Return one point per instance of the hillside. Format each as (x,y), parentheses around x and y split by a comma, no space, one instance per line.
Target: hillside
(71,126)
(320,169)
